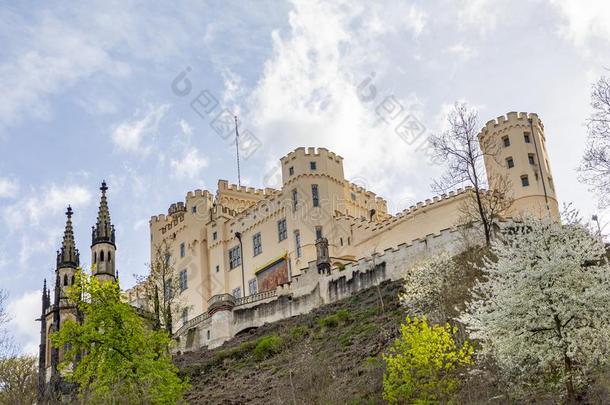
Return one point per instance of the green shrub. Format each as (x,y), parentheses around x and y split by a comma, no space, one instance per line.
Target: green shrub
(423,362)
(267,346)
(332,321)
(298,333)
(345,341)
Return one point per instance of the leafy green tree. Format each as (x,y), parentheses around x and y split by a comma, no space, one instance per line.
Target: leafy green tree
(18,380)
(112,354)
(423,364)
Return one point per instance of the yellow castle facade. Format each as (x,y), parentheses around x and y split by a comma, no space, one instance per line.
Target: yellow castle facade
(244,242)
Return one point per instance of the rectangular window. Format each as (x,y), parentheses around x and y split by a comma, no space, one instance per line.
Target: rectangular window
(353,196)
(295,199)
(282,232)
(297,243)
(525,182)
(183,280)
(169,291)
(194,209)
(530,157)
(510,163)
(256,243)
(185,315)
(312,165)
(551,184)
(214,235)
(234,257)
(182,250)
(506,141)
(217,269)
(318,232)
(252,286)
(236,292)
(291,170)
(315,195)
(168,257)
(526,137)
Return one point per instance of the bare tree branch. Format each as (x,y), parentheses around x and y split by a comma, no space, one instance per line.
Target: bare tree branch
(459,147)
(595,166)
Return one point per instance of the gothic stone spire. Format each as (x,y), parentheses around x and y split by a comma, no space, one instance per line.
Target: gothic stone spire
(68,255)
(103,231)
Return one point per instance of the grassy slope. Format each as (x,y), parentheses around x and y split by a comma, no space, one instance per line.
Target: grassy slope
(331,355)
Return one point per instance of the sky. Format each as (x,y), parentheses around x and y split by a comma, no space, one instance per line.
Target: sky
(138,93)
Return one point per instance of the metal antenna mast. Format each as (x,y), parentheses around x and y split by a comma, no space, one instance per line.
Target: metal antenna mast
(237,151)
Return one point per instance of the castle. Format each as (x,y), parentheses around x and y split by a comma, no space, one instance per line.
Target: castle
(246,256)
(244,247)
(103,256)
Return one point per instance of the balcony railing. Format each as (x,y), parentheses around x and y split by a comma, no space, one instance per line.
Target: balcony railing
(192,323)
(256,297)
(221,298)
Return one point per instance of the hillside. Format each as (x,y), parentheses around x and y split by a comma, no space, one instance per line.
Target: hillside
(331,355)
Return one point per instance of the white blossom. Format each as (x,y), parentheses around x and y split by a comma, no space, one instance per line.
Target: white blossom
(543,306)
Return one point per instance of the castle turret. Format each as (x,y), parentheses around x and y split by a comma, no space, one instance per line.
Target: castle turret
(517,162)
(103,246)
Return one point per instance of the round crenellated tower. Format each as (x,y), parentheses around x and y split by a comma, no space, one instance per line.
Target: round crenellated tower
(517,162)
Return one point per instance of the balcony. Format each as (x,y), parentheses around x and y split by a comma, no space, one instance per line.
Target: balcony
(220,302)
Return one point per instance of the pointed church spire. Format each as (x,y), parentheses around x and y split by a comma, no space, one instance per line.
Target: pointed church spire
(68,255)
(103,231)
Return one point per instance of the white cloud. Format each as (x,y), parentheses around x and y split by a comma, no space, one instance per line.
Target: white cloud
(186,128)
(52,56)
(478,14)
(465,52)
(24,310)
(308,90)
(129,136)
(584,20)
(190,165)
(8,188)
(48,200)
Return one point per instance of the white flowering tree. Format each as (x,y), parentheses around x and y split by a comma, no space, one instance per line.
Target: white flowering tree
(542,311)
(423,290)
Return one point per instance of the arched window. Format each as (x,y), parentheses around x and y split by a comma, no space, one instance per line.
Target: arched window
(94,257)
(102,256)
(72,281)
(65,279)
(109,256)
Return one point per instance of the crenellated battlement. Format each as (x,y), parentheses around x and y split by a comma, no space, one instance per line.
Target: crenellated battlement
(176,208)
(219,210)
(310,152)
(199,193)
(224,186)
(510,119)
(413,210)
